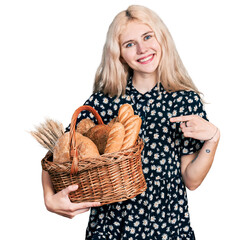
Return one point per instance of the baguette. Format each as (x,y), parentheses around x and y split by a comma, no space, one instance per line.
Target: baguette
(132,129)
(125,111)
(115,138)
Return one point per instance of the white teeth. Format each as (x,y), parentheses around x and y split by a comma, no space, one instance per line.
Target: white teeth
(145,59)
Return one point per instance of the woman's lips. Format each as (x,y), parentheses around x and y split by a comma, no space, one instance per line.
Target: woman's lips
(146,59)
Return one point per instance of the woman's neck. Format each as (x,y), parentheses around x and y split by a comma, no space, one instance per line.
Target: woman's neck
(144,83)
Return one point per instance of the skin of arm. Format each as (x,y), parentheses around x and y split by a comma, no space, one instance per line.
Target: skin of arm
(194,167)
(47,185)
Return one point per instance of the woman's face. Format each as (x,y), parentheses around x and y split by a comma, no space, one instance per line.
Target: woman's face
(140,48)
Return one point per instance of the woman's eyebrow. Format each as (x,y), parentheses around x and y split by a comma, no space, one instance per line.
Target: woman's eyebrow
(126,42)
(144,34)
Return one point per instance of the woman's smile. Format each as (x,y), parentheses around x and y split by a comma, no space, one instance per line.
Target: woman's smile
(147,59)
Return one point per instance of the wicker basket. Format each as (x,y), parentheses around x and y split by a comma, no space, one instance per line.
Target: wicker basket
(109,178)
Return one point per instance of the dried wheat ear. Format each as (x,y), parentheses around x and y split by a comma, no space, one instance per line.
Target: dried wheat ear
(48,133)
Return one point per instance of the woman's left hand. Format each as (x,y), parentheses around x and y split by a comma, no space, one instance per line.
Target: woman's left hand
(193,126)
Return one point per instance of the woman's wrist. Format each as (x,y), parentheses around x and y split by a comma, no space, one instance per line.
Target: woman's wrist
(215,137)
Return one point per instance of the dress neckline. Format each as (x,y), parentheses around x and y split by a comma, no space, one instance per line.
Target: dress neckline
(147,94)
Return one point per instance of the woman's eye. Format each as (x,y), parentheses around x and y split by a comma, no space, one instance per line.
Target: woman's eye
(129,45)
(148,37)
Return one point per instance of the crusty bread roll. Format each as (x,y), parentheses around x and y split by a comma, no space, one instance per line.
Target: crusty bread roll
(99,135)
(61,151)
(132,129)
(87,149)
(115,138)
(84,125)
(125,111)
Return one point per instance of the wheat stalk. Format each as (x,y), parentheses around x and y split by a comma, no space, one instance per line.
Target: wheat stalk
(48,133)
(43,140)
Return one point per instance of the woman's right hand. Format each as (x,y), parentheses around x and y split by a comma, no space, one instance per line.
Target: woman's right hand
(60,203)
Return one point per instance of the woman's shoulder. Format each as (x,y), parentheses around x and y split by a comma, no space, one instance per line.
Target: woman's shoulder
(185,96)
(185,93)
(187,102)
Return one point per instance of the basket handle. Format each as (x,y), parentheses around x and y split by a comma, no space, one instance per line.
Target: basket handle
(73,149)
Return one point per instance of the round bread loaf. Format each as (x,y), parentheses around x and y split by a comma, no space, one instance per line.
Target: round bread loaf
(99,135)
(84,125)
(87,149)
(61,151)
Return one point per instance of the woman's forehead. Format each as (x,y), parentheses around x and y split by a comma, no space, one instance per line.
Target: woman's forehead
(134,30)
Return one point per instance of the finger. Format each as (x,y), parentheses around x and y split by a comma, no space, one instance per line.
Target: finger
(79,206)
(181,118)
(186,124)
(188,134)
(69,189)
(87,205)
(81,211)
(187,129)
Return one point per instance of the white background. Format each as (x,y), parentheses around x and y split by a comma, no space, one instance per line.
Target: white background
(49,52)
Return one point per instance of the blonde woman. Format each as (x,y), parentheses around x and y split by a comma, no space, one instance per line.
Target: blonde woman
(140,66)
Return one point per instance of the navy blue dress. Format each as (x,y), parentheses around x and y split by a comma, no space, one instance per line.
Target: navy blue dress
(161,212)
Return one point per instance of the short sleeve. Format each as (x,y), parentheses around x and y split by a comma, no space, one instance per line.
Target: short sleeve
(188,103)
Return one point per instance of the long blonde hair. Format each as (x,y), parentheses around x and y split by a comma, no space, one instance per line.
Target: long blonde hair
(112,73)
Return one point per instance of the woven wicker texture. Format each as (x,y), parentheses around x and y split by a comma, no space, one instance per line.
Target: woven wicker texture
(109,178)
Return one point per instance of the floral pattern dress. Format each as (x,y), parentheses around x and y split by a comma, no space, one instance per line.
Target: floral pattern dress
(161,212)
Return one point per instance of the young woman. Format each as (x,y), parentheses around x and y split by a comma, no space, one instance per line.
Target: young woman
(140,66)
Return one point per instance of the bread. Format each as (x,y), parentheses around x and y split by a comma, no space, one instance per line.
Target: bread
(113,121)
(125,111)
(61,151)
(132,129)
(99,135)
(84,125)
(115,138)
(87,149)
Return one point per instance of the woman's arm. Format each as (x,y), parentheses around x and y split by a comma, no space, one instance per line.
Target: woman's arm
(59,203)
(194,167)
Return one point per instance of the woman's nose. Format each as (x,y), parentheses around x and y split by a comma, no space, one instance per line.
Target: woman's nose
(141,48)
